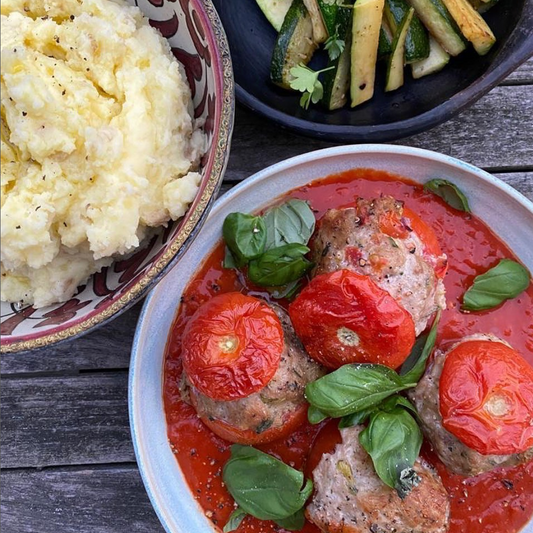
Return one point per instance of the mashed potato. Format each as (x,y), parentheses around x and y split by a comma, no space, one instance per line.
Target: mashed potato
(98,141)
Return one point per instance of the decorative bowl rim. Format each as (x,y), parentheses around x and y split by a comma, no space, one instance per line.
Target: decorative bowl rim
(195,216)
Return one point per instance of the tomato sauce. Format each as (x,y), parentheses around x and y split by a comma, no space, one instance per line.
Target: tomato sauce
(494,502)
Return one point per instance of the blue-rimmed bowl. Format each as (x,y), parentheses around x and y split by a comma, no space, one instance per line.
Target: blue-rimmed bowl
(507,212)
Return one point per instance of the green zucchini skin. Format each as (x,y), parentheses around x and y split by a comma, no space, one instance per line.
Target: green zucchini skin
(275,11)
(395,65)
(437,19)
(417,43)
(472,25)
(385,44)
(438,58)
(294,44)
(337,81)
(329,15)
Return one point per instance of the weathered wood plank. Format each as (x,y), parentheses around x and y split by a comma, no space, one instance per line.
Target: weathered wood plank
(107,347)
(521,181)
(65,420)
(523,74)
(494,133)
(88,500)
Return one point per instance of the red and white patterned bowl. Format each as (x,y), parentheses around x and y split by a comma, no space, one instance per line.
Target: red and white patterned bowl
(198,41)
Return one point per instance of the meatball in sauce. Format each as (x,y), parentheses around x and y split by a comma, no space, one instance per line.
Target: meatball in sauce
(350,498)
(376,238)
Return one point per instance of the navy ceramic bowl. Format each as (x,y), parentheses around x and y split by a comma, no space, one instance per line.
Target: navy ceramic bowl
(417,106)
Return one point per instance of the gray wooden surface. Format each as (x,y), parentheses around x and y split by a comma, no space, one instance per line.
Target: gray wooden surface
(66,453)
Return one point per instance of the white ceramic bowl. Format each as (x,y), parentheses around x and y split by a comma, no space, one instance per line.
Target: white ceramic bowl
(197,38)
(507,212)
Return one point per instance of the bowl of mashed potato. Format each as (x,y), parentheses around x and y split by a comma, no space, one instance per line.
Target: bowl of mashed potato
(116,122)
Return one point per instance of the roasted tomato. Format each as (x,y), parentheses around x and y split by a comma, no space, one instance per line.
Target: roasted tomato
(231,346)
(248,436)
(432,249)
(343,317)
(486,397)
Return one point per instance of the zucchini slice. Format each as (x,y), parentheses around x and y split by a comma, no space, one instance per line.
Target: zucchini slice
(397,58)
(417,43)
(294,44)
(385,40)
(275,11)
(337,81)
(366,25)
(439,22)
(482,6)
(472,25)
(438,58)
(320,33)
(329,14)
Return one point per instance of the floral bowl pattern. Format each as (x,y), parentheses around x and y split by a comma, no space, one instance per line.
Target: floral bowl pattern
(198,41)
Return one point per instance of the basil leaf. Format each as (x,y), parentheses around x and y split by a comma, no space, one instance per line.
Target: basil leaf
(314,415)
(295,522)
(229,260)
(503,282)
(393,441)
(355,418)
(391,403)
(291,222)
(412,374)
(450,193)
(263,486)
(352,388)
(280,266)
(245,236)
(234,520)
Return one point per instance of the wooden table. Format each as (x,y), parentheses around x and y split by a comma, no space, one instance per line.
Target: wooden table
(66,453)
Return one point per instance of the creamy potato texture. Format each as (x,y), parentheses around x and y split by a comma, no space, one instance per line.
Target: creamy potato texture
(98,141)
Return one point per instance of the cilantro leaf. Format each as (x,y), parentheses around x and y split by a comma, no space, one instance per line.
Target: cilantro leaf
(304,78)
(334,46)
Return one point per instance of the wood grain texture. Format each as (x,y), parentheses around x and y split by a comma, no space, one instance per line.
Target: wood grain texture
(67,405)
(522,75)
(494,133)
(87,500)
(64,420)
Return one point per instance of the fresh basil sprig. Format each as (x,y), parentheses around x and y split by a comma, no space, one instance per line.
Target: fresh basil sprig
(315,415)
(393,441)
(291,222)
(353,388)
(355,418)
(450,193)
(387,405)
(245,236)
(415,365)
(265,487)
(280,266)
(272,245)
(503,282)
(234,520)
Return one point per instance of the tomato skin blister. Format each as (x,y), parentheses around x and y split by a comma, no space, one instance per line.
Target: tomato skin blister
(486,397)
(231,346)
(344,317)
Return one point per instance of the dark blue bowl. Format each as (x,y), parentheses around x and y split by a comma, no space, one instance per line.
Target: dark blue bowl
(417,106)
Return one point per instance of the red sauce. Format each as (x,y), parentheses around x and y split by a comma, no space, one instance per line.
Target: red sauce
(498,501)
